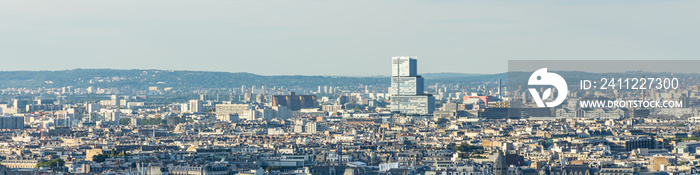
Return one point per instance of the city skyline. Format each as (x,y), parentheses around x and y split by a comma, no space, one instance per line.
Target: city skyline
(305,87)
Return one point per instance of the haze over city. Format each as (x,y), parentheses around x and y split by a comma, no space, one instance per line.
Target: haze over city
(350,38)
(349,87)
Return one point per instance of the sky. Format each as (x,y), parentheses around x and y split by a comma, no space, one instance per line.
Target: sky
(607,66)
(334,37)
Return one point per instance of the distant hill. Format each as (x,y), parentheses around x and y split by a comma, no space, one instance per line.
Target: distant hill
(204,79)
(163,78)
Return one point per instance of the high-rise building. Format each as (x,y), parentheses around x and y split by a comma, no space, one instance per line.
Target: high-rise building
(11,122)
(310,127)
(114,100)
(413,104)
(407,92)
(224,112)
(20,103)
(282,112)
(298,128)
(184,107)
(295,102)
(93,107)
(196,106)
(111,117)
(407,85)
(404,66)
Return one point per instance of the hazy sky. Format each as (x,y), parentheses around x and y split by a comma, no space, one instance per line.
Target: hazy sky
(354,37)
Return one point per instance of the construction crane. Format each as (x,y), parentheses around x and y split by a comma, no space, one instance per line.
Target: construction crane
(41,123)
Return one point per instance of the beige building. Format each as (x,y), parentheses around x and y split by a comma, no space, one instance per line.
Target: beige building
(92,152)
(243,111)
(20,163)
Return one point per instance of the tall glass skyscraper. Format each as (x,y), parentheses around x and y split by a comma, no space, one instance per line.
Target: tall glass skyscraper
(407,88)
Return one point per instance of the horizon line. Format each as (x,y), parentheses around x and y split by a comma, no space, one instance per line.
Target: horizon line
(172,70)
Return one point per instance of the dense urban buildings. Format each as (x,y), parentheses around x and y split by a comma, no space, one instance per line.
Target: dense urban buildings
(391,126)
